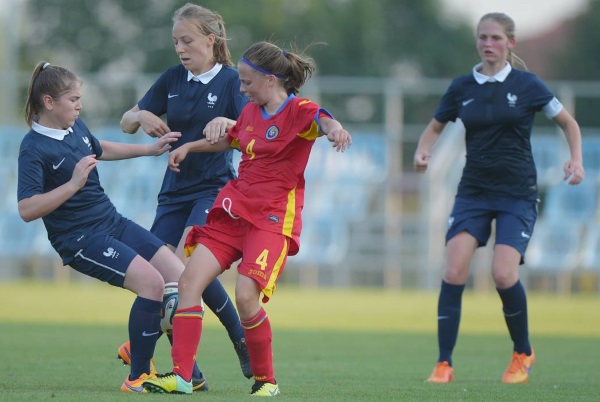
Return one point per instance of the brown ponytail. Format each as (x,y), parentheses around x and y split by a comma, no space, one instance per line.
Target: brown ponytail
(47,79)
(293,69)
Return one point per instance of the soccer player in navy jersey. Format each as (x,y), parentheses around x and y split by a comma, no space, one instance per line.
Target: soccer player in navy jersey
(496,103)
(256,217)
(191,94)
(58,182)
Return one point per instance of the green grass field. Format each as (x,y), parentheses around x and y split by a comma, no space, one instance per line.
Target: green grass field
(58,342)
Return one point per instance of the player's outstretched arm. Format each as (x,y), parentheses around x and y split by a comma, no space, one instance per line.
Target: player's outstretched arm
(178,155)
(152,125)
(336,133)
(217,128)
(117,150)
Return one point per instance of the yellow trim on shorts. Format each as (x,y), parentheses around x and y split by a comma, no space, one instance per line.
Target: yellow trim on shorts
(270,288)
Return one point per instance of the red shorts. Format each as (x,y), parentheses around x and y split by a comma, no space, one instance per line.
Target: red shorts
(263,253)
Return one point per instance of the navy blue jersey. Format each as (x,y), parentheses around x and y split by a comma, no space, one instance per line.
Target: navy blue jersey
(498,117)
(46,163)
(189,106)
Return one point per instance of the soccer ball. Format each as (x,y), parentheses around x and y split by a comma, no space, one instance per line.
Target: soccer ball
(170,302)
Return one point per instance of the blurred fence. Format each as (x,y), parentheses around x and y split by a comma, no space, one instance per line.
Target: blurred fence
(368,219)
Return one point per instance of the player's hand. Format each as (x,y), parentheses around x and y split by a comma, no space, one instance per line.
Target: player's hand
(152,124)
(176,157)
(341,139)
(574,172)
(216,129)
(421,161)
(162,144)
(82,171)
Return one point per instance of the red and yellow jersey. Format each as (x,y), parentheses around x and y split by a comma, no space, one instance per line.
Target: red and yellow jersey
(269,192)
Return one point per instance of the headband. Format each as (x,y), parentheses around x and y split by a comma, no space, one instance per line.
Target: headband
(45,65)
(262,70)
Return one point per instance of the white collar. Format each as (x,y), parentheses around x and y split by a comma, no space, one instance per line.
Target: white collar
(207,76)
(500,76)
(55,133)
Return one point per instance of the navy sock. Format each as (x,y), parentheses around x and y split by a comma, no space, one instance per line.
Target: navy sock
(218,301)
(514,306)
(144,327)
(449,308)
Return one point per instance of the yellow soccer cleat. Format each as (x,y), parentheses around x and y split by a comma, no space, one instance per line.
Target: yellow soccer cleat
(442,373)
(519,367)
(124,354)
(169,383)
(265,389)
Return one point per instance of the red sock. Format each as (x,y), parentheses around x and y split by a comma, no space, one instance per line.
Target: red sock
(258,335)
(187,331)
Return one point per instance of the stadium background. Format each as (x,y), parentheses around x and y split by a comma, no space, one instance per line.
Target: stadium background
(354,316)
(369,220)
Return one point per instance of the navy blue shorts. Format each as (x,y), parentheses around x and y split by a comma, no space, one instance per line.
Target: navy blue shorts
(172,219)
(515,220)
(107,255)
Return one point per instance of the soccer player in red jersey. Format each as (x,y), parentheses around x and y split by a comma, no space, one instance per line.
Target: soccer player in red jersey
(256,217)
(189,95)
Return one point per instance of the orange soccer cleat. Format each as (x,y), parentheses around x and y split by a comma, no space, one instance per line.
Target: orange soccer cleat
(519,367)
(442,373)
(124,354)
(137,384)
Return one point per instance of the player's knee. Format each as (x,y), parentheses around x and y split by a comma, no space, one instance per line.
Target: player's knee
(242,298)
(455,275)
(246,302)
(144,280)
(154,288)
(169,264)
(504,278)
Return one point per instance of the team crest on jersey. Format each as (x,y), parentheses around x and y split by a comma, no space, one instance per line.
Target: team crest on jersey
(211,100)
(87,142)
(512,99)
(272,133)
